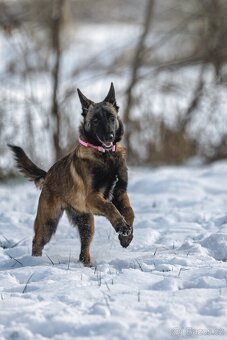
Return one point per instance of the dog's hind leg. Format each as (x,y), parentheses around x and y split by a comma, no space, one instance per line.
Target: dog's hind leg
(48,215)
(85,224)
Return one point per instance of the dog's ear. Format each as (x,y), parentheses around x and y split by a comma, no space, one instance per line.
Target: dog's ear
(110,98)
(120,131)
(85,102)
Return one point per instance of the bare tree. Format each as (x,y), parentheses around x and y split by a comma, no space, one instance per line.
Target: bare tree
(187,41)
(137,62)
(57,23)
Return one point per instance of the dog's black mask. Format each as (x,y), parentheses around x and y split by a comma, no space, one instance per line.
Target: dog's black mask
(101,125)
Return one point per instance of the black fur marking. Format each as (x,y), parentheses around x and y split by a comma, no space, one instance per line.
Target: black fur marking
(105,178)
(51,224)
(76,218)
(51,227)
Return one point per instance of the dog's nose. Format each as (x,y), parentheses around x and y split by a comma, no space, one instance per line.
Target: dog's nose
(110,136)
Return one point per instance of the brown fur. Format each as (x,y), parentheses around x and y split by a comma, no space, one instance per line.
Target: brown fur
(84,183)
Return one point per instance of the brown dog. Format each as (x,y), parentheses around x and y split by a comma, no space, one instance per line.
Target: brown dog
(91,180)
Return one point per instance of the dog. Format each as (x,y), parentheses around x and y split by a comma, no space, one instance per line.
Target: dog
(91,180)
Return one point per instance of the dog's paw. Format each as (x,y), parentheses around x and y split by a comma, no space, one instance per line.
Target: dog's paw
(125,240)
(85,259)
(123,229)
(125,232)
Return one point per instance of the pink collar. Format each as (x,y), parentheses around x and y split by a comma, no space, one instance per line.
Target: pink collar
(99,148)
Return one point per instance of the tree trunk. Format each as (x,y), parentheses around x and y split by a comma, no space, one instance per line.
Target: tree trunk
(137,61)
(56,26)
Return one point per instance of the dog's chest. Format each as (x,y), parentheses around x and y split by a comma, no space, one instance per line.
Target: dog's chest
(105,177)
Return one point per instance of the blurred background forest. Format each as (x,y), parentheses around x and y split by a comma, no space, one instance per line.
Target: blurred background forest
(167,60)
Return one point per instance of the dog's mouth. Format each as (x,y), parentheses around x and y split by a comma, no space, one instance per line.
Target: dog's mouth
(106,144)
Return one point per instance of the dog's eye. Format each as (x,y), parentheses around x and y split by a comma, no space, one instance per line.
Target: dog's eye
(95,120)
(112,119)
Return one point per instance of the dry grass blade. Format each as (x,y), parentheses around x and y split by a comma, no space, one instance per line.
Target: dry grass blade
(139,264)
(50,259)
(107,286)
(69,260)
(181,270)
(13,258)
(6,239)
(16,244)
(25,287)
(107,303)
(138,296)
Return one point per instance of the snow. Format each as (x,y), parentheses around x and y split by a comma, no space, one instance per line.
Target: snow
(171,282)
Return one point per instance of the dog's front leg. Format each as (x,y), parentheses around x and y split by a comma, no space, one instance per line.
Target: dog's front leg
(122,203)
(97,204)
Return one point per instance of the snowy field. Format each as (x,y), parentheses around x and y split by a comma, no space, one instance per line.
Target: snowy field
(170,283)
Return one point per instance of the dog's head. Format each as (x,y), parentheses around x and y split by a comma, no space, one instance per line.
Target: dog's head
(101,124)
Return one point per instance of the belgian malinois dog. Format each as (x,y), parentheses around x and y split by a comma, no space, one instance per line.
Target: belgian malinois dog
(91,180)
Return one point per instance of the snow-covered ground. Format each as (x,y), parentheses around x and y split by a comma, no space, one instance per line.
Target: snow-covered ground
(170,283)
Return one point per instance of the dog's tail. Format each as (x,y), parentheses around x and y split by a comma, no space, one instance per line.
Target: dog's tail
(27,167)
